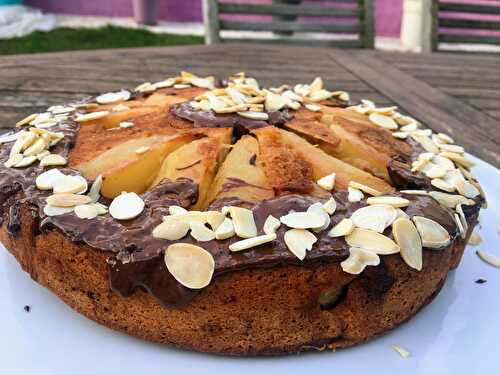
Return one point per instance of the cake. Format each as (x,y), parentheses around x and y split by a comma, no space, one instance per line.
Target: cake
(227,218)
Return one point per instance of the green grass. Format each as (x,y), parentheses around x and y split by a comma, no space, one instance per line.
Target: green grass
(68,39)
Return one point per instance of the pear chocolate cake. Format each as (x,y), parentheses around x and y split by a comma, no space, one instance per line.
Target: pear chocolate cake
(228,218)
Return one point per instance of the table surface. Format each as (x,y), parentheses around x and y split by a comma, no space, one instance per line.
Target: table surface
(458,94)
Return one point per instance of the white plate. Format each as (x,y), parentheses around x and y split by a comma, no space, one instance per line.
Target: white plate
(458,333)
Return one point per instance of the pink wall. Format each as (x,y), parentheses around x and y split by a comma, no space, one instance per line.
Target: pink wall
(388,12)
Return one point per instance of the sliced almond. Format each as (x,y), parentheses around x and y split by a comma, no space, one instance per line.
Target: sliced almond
(13,160)
(24,140)
(9,137)
(142,150)
(91,116)
(451,148)
(492,260)
(42,154)
(343,228)
(69,184)
(86,211)
(445,138)
(126,124)
(372,241)
(415,192)
(354,195)
(330,206)
(458,158)
(38,146)
(443,162)
(426,143)
(401,351)
(320,95)
(252,242)
(26,161)
(177,210)
(145,87)
(225,230)
(95,189)
(243,221)
(274,102)
(358,260)
(271,225)
(318,209)
(299,241)
(200,232)
(67,200)
(126,206)
(442,185)
(313,107)
(190,265)
(408,239)
(364,188)
(433,234)
(383,121)
(113,97)
(450,200)
(432,170)
(171,229)
(388,200)
(189,216)
(474,239)
(401,213)
(327,182)
(376,217)
(467,189)
(56,211)
(465,226)
(163,84)
(26,120)
(252,115)
(215,218)
(303,220)
(45,180)
(101,208)
(53,160)
(400,135)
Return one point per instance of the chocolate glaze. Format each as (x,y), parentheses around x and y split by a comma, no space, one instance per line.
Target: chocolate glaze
(136,258)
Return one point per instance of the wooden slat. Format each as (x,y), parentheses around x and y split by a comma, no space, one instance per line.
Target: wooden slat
(469,24)
(211,21)
(288,10)
(366,19)
(469,39)
(341,43)
(290,26)
(470,127)
(469,8)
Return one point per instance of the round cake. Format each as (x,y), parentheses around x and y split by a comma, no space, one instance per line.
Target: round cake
(224,217)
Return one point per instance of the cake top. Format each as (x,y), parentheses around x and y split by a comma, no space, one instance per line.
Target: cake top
(184,179)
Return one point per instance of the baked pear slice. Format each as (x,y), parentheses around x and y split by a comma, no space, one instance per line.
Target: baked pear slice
(132,166)
(198,161)
(241,175)
(315,162)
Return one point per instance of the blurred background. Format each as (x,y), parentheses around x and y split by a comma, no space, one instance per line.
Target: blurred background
(55,25)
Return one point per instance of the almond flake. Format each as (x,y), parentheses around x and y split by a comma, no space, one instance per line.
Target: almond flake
(400,135)
(388,200)
(67,200)
(463,220)
(445,138)
(56,211)
(91,116)
(442,185)
(313,107)
(408,239)
(492,260)
(271,225)
(433,234)
(443,162)
(316,84)
(24,140)
(318,209)
(252,115)
(451,148)
(358,260)
(53,160)
(327,182)
(120,108)
(320,95)
(95,189)
(215,218)
(86,211)
(303,220)
(26,120)
(474,239)
(414,192)
(376,217)
(343,228)
(225,230)
(299,241)
(38,146)
(101,208)
(354,195)
(252,242)
(402,214)
(432,170)
(404,120)
(460,225)
(274,102)
(364,188)
(70,184)
(426,143)
(13,160)
(466,189)
(190,265)
(450,200)
(372,241)
(177,210)
(189,216)
(181,86)
(457,158)
(163,84)
(113,97)
(382,121)
(171,229)
(330,206)
(126,206)
(401,351)
(26,161)
(243,221)
(45,180)
(126,124)
(145,87)
(9,137)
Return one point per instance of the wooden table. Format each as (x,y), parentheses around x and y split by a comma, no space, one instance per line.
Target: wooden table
(455,93)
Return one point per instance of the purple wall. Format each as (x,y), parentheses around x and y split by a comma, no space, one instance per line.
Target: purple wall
(388,12)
